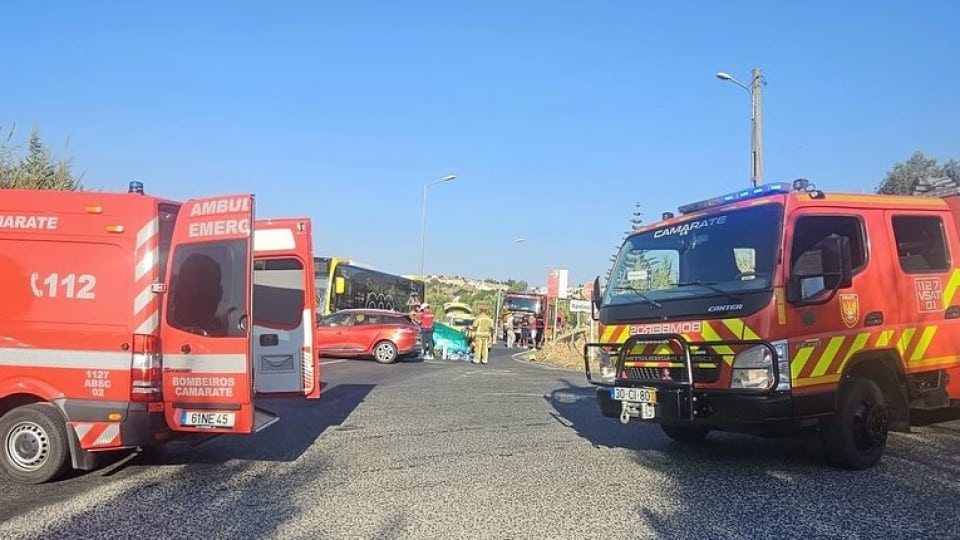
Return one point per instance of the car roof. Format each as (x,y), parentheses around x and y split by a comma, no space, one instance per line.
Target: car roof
(372,311)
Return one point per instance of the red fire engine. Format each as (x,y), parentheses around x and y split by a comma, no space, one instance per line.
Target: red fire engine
(125,323)
(782,308)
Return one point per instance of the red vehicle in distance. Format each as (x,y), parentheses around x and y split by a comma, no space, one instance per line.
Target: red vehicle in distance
(384,335)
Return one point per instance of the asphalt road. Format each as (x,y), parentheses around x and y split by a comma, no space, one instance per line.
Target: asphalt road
(506,450)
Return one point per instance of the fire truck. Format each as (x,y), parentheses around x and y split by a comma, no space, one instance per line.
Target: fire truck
(530,305)
(780,309)
(125,323)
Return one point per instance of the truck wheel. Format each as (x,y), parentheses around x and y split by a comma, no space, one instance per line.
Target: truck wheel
(385,352)
(685,434)
(35,448)
(855,436)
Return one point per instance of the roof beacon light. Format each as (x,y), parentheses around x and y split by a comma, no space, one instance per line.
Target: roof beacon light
(135,187)
(745,194)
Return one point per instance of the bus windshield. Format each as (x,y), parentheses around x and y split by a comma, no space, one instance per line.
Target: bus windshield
(729,252)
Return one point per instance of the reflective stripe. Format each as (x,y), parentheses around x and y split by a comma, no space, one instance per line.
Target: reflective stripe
(146,263)
(951,289)
(307,351)
(109,434)
(926,338)
(142,300)
(97,434)
(207,363)
(146,304)
(147,231)
(55,358)
(149,325)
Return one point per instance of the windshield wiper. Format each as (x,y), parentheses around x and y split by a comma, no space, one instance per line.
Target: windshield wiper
(709,285)
(639,292)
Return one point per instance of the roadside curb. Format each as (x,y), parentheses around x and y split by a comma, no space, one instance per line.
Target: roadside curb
(519,357)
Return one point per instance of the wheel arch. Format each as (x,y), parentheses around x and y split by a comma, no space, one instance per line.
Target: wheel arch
(885,368)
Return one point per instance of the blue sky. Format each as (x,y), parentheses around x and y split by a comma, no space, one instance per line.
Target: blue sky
(555,116)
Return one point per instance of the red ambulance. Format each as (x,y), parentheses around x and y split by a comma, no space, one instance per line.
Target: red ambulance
(126,322)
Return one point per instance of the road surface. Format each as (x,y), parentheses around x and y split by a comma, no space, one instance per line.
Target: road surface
(508,450)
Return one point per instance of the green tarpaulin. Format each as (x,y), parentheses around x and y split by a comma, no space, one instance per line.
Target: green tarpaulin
(446,338)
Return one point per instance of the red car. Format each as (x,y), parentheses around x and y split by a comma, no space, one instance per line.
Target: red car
(384,335)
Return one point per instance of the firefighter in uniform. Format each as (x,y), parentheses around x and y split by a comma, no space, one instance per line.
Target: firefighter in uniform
(482,332)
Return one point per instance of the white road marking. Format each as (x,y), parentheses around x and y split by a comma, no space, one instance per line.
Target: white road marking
(332,362)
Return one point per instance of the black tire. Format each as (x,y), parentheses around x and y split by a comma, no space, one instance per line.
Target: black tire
(685,434)
(385,352)
(856,435)
(33,444)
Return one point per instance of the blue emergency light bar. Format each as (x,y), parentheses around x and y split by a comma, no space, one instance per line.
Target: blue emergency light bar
(742,195)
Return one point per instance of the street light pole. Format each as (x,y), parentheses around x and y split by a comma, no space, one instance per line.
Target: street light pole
(756,120)
(423,217)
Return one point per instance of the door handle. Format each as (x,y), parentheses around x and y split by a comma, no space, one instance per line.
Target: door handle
(185,348)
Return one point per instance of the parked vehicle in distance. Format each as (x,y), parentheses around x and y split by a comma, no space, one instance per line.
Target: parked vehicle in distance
(384,335)
(345,284)
(458,315)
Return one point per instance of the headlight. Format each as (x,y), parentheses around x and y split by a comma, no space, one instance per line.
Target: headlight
(753,368)
(608,367)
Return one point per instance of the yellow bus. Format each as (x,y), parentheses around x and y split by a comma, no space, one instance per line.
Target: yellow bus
(346,284)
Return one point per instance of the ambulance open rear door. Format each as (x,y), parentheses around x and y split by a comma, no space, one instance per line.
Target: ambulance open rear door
(205,338)
(284,309)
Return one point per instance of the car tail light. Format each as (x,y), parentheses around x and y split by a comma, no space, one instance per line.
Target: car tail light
(146,367)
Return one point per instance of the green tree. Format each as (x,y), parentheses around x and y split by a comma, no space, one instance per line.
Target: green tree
(38,169)
(902,178)
(952,170)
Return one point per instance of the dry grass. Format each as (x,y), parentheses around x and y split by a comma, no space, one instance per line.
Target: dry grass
(561,353)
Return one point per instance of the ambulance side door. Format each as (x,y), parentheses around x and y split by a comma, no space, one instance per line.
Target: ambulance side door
(205,339)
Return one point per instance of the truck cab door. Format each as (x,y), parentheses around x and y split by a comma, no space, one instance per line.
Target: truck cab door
(205,337)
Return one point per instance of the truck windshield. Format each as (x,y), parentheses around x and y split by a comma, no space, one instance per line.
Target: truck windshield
(724,254)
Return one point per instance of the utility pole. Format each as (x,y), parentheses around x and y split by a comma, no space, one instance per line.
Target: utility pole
(757,124)
(756,120)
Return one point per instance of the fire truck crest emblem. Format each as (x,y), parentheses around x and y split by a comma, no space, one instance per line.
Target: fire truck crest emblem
(850,309)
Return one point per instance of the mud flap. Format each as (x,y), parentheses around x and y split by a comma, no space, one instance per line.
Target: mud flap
(81,459)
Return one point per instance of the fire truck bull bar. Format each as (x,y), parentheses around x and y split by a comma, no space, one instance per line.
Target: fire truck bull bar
(687,386)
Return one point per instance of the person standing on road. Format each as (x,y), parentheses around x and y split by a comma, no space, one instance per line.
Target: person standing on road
(426,329)
(508,330)
(482,332)
(539,327)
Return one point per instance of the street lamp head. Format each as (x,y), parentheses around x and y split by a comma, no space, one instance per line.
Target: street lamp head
(723,76)
(449,178)
(520,240)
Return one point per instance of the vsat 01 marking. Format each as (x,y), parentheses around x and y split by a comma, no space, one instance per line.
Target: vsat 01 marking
(773,310)
(128,320)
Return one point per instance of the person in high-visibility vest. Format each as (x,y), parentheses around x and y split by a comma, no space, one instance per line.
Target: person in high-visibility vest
(482,332)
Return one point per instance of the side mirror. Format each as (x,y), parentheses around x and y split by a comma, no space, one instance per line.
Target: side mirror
(595,299)
(820,272)
(339,285)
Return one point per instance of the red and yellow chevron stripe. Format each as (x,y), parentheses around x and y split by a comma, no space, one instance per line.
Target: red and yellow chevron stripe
(815,361)
(822,360)
(706,330)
